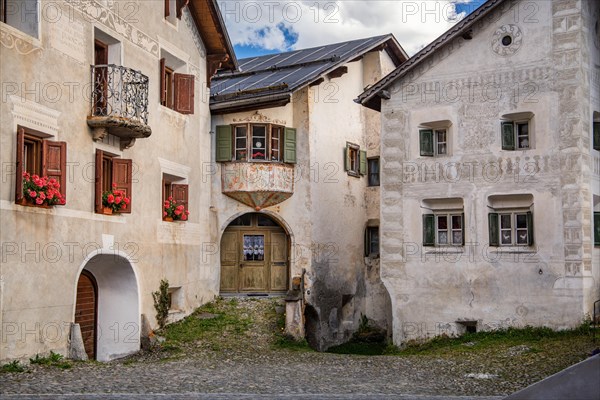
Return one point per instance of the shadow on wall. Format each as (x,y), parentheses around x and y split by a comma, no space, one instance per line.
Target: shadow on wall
(312,327)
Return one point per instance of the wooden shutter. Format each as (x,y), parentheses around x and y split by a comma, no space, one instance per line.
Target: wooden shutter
(224,143)
(121,175)
(184,93)
(163,82)
(597,229)
(98,181)
(54,163)
(508,136)
(494,230)
(20,164)
(597,136)
(426,142)
(362,156)
(529,228)
(180,194)
(428,230)
(167,7)
(289,146)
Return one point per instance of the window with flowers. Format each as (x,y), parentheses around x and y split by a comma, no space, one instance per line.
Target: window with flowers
(40,169)
(112,182)
(175,200)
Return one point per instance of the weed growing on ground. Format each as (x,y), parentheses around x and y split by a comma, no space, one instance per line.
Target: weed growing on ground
(13,366)
(54,360)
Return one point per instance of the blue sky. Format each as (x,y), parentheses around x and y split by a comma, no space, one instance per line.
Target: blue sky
(267,27)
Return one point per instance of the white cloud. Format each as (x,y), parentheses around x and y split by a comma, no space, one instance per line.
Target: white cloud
(414,23)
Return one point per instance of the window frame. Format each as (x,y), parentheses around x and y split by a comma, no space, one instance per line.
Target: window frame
(596,132)
(596,228)
(34,147)
(373,178)
(431,229)
(355,160)
(510,141)
(4,18)
(369,242)
(497,225)
(249,141)
(177,90)
(106,159)
(173,186)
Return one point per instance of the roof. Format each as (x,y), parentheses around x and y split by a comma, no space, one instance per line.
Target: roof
(271,79)
(210,24)
(371,97)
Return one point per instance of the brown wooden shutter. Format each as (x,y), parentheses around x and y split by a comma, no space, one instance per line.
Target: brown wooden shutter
(163,83)
(180,194)
(180,5)
(98,181)
(184,93)
(54,163)
(19,165)
(167,6)
(121,175)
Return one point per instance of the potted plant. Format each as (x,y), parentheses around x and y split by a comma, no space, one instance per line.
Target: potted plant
(114,200)
(41,191)
(173,211)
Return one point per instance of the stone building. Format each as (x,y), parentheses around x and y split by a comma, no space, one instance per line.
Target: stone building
(295,185)
(97,93)
(490,184)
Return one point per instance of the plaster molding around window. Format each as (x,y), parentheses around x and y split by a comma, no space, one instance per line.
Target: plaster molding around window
(13,39)
(175,169)
(166,46)
(172,117)
(35,116)
(258,117)
(117,22)
(510,201)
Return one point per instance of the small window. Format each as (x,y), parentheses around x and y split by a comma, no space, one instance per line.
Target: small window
(433,142)
(113,173)
(516,131)
(256,142)
(355,160)
(264,220)
(372,241)
(373,171)
(442,229)
(511,228)
(22,15)
(254,248)
(176,89)
(244,220)
(41,157)
(173,10)
(596,131)
(175,199)
(596,228)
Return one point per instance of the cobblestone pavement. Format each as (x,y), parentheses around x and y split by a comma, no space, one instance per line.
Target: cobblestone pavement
(279,375)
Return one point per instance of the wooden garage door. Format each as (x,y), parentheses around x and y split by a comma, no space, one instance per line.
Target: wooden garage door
(85,312)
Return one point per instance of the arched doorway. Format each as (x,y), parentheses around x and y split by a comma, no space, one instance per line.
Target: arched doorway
(254,256)
(86,311)
(115,332)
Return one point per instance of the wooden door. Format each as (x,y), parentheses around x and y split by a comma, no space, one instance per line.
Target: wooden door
(86,312)
(278,261)
(229,262)
(100,78)
(253,264)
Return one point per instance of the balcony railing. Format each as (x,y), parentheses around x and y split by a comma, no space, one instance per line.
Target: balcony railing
(119,104)
(119,92)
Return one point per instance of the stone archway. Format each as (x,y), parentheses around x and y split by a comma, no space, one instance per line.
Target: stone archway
(117,319)
(255,252)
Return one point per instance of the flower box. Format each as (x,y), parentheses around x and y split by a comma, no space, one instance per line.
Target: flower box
(28,203)
(40,191)
(172,211)
(114,200)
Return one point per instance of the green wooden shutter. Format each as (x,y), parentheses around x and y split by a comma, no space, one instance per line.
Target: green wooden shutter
(428,230)
(289,146)
(223,143)
(463,228)
(366,241)
(508,136)
(529,228)
(597,229)
(363,162)
(597,136)
(494,230)
(426,141)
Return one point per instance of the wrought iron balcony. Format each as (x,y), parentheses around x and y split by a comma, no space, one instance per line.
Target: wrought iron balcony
(258,185)
(119,103)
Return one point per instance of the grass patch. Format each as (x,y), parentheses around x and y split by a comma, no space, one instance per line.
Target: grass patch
(13,366)
(534,337)
(208,323)
(54,360)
